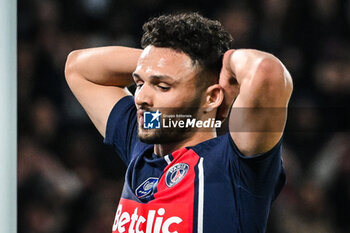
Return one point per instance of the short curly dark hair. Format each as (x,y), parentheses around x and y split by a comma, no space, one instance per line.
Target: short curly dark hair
(205,41)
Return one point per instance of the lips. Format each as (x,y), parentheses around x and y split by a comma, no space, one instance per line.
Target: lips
(140,116)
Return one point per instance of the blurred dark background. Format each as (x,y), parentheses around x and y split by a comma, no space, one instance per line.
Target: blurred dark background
(68,181)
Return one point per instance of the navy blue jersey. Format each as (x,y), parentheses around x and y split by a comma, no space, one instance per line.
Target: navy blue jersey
(210,187)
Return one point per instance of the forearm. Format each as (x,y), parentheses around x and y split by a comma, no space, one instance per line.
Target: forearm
(249,64)
(111,66)
(259,87)
(251,78)
(262,79)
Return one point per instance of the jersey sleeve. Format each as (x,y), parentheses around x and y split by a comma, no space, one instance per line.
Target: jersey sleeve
(121,129)
(261,175)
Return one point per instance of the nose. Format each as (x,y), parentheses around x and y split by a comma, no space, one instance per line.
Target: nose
(143,96)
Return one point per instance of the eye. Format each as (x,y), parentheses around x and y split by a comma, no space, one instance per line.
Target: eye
(163,88)
(139,85)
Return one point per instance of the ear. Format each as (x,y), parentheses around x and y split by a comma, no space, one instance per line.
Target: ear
(214,96)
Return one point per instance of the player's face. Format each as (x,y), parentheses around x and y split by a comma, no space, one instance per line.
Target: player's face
(166,81)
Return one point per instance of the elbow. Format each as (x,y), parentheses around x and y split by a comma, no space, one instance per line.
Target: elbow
(71,64)
(274,83)
(273,73)
(270,68)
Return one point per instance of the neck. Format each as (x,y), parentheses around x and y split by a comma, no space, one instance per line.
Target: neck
(198,137)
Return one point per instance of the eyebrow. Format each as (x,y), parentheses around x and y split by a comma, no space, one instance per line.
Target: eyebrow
(162,77)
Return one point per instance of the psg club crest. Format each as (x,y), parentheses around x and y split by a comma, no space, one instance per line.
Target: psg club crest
(146,187)
(175,174)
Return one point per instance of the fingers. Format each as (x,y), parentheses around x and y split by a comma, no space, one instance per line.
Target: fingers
(228,83)
(224,108)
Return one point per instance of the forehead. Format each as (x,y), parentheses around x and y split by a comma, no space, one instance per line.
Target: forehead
(165,61)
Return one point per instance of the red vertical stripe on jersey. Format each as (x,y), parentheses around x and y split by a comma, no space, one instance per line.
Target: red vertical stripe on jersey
(171,210)
(181,193)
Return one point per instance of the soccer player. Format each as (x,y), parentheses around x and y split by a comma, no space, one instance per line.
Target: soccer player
(188,180)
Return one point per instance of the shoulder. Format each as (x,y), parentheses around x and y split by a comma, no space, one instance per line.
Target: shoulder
(224,149)
(219,148)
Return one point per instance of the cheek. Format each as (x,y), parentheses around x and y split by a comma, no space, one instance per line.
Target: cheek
(180,99)
(167,99)
(137,91)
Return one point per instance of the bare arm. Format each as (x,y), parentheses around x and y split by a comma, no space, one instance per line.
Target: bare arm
(97,78)
(260,87)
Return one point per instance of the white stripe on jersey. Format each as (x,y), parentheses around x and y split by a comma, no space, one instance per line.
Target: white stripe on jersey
(167,159)
(200,196)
